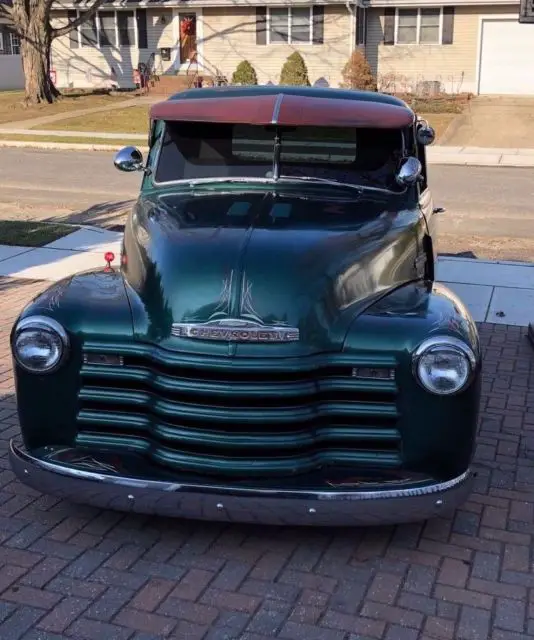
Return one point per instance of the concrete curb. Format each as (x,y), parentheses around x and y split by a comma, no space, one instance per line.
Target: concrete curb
(58,133)
(65,146)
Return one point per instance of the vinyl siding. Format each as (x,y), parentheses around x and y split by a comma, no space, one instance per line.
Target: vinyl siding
(401,67)
(229,36)
(11,75)
(91,67)
(160,35)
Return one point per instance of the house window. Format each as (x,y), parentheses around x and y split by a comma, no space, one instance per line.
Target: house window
(418,26)
(89,33)
(106,29)
(126,22)
(290,26)
(9,42)
(15,44)
(110,29)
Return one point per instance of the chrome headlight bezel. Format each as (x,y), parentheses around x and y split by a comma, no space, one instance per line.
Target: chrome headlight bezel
(444,343)
(45,324)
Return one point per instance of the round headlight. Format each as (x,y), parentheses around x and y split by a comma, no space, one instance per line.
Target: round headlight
(444,365)
(39,344)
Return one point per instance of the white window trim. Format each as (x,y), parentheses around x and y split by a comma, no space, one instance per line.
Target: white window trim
(289,12)
(2,42)
(418,29)
(117,45)
(12,37)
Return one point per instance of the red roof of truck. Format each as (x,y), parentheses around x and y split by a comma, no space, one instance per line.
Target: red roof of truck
(282,108)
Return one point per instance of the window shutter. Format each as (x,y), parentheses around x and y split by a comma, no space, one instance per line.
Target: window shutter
(142,36)
(73,34)
(389,26)
(318,24)
(261,25)
(448,25)
(361,17)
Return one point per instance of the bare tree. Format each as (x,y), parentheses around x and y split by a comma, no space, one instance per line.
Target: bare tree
(31,21)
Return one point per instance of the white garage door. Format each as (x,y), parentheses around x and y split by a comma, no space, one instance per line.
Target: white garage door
(507,57)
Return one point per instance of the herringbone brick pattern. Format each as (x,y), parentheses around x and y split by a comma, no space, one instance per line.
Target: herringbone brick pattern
(68,571)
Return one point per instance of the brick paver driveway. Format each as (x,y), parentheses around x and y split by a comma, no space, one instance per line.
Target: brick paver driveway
(76,572)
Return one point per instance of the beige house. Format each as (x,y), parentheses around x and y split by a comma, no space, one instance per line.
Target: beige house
(451,46)
(471,47)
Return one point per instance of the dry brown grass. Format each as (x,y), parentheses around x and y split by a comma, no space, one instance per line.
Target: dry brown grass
(128,120)
(12,107)
(440,121)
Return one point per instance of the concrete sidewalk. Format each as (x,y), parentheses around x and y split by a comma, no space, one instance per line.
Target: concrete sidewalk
(481,156)
(84,249)
(495,292)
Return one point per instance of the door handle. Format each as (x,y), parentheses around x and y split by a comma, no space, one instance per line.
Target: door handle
(439,210)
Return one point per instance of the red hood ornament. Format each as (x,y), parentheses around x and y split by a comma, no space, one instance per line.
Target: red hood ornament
(109,256)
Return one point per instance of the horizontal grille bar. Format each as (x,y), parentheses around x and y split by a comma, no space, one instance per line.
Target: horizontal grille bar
(213,464)
(239,439)
(215,413)
(277,366)
(144,378)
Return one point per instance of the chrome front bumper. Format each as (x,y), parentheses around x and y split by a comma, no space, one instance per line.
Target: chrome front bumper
(233,504)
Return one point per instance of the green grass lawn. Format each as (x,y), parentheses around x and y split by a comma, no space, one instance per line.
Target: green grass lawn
(24,233)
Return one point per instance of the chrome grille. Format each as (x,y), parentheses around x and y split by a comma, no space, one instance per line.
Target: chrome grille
(244,416)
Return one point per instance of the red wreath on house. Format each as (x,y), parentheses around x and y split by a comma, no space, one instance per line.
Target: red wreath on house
(186,26)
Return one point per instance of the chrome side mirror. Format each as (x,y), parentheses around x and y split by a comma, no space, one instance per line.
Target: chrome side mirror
(425,134)
(409,172)
(129,159)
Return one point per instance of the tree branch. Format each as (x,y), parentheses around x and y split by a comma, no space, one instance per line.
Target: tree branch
(84,16)
(18,16)
(6,11)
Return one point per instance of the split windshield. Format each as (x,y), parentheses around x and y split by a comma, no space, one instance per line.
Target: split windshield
(212,150)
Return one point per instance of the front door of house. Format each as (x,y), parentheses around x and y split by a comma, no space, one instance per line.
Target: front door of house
(188,38)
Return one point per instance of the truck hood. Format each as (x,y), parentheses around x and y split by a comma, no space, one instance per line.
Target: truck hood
(296,269)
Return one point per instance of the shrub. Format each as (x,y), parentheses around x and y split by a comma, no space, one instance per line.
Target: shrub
(244,74)
(294,71)
(357,73)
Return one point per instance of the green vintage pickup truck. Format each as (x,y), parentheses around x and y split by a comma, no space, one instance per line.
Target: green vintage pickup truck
(273,347)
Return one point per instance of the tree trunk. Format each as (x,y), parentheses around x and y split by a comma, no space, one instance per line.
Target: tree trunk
(35,50)
(31,20)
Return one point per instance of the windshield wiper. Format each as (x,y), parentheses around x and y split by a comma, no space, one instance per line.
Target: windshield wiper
(334,183)
(194,181)
(360,188)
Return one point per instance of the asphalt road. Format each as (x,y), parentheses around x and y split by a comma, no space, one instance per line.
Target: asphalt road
(489,211)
